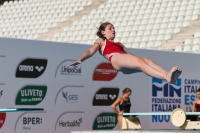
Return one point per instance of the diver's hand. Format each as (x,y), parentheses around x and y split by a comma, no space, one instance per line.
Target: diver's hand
(75,63)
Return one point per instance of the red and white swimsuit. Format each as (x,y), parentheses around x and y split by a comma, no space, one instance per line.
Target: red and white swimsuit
(111,48)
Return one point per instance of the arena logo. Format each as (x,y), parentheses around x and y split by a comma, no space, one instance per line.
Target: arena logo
(70,123)
(65,69)
(105,96)
(104,72)
(31,68)
(70,97)
(165,97)
(105,121)
(29,121)
(31,95)
(2,119)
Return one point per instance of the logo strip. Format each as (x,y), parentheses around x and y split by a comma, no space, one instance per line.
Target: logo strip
(65,87)
(66,113)
(21,116)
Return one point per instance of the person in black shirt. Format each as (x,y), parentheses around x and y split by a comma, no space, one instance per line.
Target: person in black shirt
(124,104)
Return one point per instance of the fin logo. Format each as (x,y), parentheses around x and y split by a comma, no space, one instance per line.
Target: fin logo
(164,89)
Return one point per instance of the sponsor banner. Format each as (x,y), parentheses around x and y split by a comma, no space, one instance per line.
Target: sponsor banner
(70,121)
(30,122)
(104,72)
(31,68)
(31,95)
(105,96)
(1,93)
(72,92)
(190,86)
(70,95)
(2,119)
(105,121)
(167,97)
(64,69)
(1,74)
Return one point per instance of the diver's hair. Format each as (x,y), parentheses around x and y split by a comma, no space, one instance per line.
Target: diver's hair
(198,90)
(126,90)
(102,27)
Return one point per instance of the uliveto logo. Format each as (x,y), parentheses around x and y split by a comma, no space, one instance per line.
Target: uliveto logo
(104,72)
(31,95)
(28,121)
(31,68)
(105,121)
(70,97)
(2,119)
(105,96)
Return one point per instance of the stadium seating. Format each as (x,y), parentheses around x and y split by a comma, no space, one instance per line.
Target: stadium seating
(138,23)
(190,45)
(28,18)
(142,24)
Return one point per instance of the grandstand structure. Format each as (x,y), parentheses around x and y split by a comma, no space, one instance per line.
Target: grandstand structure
(152,24)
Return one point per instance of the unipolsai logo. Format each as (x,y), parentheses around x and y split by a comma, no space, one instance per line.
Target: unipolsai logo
(29,121)
(105,96)
(105,121)
(67,70)
(31,68)
(165,98)
(31,95)
(70,97)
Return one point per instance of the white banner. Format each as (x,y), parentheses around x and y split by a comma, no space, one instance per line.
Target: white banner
(36,74)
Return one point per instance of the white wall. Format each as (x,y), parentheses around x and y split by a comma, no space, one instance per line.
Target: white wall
(58,109)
